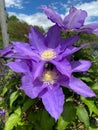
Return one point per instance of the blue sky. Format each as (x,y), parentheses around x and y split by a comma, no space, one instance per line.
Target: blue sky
(30,12)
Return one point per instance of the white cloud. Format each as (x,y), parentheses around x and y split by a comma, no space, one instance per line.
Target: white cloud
(13,3)
(91,8)
(36,19)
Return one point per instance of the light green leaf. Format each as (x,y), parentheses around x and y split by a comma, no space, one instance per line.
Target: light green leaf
(90,128)
(12,122)
(87,79)
(95,87)
(90,103)
(9,84)
(13,97)
(83,115)
(62,124)
(18,111)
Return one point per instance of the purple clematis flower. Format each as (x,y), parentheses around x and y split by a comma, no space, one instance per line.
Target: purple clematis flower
(47,85)
(45,62)
(2,112)
(47,49)
(74,21)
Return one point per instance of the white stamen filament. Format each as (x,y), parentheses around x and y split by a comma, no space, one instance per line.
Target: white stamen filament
(49,77)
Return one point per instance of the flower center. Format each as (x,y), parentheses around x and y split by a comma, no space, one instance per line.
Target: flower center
(48,55)
(49,77)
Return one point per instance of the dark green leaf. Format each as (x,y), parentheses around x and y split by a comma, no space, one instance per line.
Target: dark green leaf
(41,120)
(69,112)
(27,104)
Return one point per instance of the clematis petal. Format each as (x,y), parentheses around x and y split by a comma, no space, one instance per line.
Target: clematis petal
(52,15)
(6,51)
(68,42)
(80,87)
(75,19)
(90,28)
(53,101)
(53,41)
(63,66)
(80,66)
(37,39)
(18,66)
(95,31)
(70,50)
(53,37)
(38,69)
(30,87)
(24,49)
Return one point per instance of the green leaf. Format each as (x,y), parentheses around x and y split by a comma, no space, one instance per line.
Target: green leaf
(27,104)
(83,115)
(9,84)
(95,87)
(13,97)
(41,120)
(69,112)
(18,111)
(67,116)
(12,122)
(87,79)
(90,128)
(90,103)
(46,121)
(62,124)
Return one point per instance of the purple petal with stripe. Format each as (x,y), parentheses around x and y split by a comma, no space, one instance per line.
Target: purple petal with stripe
(38,69)
(52,15)
(53,37)
(36,39)
(6,51)
(24,50)
(70,50)
(80,87)
(75,19)
(90,28)
(80,66)
(68,41)
(18,66)
(30,87)
(53,101)
(63,67)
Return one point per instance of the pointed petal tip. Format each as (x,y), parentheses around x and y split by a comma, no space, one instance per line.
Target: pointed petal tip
(80,87)
(53,101)
(91,95)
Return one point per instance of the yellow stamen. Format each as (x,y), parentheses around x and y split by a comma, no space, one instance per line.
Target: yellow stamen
(49,77)
(48,55)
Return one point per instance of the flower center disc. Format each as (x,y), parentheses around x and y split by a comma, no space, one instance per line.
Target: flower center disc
(48,55)
(49,77)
